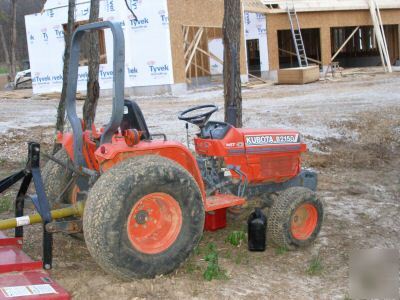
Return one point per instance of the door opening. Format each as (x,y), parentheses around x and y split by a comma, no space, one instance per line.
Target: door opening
(253,57)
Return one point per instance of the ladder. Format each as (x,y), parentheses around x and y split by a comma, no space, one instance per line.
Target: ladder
(297,36)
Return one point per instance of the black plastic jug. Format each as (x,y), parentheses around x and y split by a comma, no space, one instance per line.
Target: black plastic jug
(256,230)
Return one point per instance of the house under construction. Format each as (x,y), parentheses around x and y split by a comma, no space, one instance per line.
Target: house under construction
(346,33)
(175,44)
(341,31)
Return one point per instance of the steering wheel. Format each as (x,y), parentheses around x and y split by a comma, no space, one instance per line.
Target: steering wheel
(199,119)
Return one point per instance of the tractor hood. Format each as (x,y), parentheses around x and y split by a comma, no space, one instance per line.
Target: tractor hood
(266,137)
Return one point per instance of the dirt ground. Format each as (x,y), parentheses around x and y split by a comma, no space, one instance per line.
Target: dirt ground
(352,127)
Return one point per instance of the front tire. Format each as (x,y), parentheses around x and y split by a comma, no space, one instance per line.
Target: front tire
(143,217)
(295,218)
(55,179)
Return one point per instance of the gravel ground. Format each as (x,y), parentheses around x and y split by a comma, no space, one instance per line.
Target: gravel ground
(352,127)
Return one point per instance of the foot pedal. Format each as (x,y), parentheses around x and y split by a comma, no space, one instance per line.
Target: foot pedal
(23,278)
(216,210)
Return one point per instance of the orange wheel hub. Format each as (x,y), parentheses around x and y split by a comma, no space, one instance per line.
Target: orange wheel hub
(304,221)
(154,223)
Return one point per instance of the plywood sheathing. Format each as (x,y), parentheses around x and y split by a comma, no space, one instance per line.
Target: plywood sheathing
(324,21)
(392,39)
(195,13)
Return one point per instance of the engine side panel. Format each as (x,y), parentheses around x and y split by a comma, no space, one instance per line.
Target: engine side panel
(271,155)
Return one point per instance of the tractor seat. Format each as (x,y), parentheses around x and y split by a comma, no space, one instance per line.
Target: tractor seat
(133,119)
(215,130)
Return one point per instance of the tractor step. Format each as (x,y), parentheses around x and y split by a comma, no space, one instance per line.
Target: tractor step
(216,207)
(23,278)
(223,201)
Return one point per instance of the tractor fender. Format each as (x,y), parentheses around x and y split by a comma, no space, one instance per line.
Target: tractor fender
(67,142)
(89,147)
(111,154)
(307,178)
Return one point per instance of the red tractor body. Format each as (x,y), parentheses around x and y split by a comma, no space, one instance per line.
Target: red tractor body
(143,202)
(263,155)
(147,199)
(106,156)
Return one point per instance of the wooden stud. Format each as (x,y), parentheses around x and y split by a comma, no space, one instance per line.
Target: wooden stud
(345,43)
(185,35)
(385,47)
(202,62)
(194,48)
(258,78)
(209,54)
(195,39)
(202,69)
(292,54)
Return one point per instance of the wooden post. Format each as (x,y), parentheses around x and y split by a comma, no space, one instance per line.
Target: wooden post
(232,81)
(386,50)
(326,46)
(380,35)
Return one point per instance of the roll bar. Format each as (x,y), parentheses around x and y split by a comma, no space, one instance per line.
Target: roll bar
(118,85)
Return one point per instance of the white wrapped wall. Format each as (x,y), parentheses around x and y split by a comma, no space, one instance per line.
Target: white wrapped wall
(216,47)
(148,58)
(255,27)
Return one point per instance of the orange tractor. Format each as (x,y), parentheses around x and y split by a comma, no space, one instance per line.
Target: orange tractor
(148,200)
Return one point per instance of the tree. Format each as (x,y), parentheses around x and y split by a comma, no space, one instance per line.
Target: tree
(232,82)
(3,40)
(13,61)
(23,8)
(93,87)
(4,46)
(61,105)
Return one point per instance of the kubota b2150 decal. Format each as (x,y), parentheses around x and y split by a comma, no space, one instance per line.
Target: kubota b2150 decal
(271,139)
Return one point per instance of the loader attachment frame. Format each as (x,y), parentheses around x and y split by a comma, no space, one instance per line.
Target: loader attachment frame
(45,216)
(29,173)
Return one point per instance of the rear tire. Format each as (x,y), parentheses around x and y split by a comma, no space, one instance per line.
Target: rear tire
(118,218)
(295,218)
(56,177)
